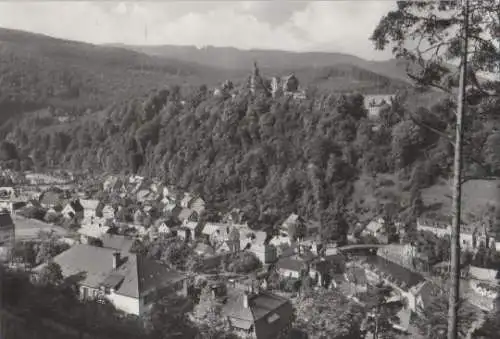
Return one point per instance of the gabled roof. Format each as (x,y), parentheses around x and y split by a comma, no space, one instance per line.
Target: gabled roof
(375,226)
(6,221)
(292,218)
(400,273)
(89,204)
(267,312)
(93,266)
(185,213)
(212,228)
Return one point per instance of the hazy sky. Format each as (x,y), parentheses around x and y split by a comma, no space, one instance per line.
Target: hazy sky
(339,26)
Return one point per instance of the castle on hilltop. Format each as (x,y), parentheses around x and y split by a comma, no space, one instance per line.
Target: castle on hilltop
(277,86)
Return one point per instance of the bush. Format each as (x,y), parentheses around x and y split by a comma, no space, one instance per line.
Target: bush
(244,262)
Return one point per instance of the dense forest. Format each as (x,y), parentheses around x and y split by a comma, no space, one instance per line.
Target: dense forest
(322,157)
(268,156)
(37,71)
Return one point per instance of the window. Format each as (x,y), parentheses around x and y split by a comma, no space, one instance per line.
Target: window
(85,292)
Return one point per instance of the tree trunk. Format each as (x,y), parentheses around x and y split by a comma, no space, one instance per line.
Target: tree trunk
(457,189)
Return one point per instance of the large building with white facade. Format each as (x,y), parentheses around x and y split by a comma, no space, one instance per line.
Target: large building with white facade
(129,281)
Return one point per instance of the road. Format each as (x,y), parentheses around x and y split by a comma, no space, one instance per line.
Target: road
(27,229)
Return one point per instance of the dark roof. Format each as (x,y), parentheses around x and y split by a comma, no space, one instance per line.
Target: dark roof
(401,274)
(267,312)
(117,242)
(6,220)
(94,267)
(76,206)
(290,264)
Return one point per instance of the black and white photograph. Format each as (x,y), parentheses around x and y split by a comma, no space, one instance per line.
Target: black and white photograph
(250,169)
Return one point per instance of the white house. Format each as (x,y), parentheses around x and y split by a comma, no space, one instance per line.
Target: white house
(92,231)
(129,281)
(186,200)
(89,210)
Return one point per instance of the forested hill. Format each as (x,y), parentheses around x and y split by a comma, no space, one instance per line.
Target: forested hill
(233,58)
(268,156)
(37,71)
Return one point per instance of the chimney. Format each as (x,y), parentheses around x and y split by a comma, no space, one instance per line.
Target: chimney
(116,260)
(245,300)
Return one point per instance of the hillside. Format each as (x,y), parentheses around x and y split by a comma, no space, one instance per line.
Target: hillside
(232,58)
(38,71)
(320,157)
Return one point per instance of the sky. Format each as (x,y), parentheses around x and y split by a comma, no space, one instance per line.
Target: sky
(332,26)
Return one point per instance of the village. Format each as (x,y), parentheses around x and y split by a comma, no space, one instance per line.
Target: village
(132,236)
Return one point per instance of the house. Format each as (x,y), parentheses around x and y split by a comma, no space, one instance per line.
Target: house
(129,281)
(185,234)
(170,192)
(290,267)
(236,216)
(112,184)
(187,214)
(259,315)
(120,243)
(216,233)
(356,277)
(256,242)
(163,226)
(186,200)
(73,210)
(197,205)
(377,229)
(193,227)
(105,211)
(89,209)
(7,236)
(402,280)
(293,220)
(92,231)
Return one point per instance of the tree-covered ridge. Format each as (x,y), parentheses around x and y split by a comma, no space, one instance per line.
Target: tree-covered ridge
(268,156)
(37,71)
